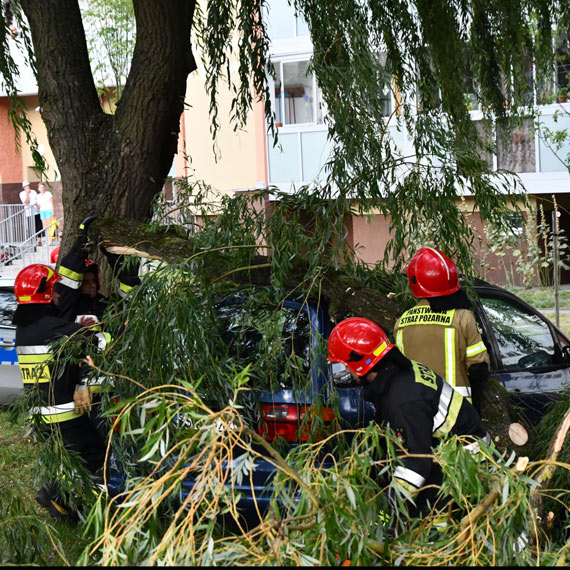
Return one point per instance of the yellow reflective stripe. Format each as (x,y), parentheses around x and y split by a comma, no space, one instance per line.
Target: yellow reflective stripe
(412,477)
(56,414)
(400,341)
(34,368)
(380,349)
(34,358)
(475,349)
(32,374)
(452,413)
(124,289)
(450,356)
(397,482)
(24,298)
(64,271)
(33,361)
(70,278)
(424,375)
(423,315)
(58,418)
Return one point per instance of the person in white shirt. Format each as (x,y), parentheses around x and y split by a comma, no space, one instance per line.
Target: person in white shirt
(28,197)
(44,202)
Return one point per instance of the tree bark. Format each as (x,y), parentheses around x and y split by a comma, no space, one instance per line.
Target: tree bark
(108,163)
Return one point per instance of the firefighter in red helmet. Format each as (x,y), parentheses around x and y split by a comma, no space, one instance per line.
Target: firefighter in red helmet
(59,390)
(440,331)
(415,401)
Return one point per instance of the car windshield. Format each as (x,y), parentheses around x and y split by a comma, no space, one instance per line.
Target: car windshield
(278,338)
(523,338)
(7,306)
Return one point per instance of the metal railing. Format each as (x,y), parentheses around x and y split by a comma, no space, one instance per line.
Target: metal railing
(18,236)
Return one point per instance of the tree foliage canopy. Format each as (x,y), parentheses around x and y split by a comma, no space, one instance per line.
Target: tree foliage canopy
(170,363)
(118,163)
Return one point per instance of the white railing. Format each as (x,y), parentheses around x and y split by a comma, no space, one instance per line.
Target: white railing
(18,236)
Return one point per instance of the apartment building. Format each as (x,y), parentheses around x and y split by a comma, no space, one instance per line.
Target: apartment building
(247,159)
(304,149)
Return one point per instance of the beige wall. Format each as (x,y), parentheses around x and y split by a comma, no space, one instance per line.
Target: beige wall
(236,167)
(39,130)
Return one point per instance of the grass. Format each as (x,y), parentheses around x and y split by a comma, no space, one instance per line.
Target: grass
(543,298)
(19,511)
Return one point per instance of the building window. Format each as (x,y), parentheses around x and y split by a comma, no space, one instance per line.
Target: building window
(296,97)
(282,22)
(562,66)
(516,149)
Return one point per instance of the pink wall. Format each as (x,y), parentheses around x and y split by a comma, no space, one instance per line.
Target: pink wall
(10,160)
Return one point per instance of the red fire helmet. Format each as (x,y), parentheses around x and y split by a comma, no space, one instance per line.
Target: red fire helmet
(432,274)
(358,343)
(54,255)
(34,284)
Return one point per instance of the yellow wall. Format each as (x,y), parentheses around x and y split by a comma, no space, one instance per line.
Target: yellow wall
(235,168)
(39,130)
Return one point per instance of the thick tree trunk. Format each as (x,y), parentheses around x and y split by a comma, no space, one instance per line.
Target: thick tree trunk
(108,163)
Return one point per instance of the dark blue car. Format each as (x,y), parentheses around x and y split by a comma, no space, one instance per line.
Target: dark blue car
(529,356)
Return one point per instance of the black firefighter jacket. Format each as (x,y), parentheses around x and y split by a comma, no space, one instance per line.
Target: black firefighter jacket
(419,406)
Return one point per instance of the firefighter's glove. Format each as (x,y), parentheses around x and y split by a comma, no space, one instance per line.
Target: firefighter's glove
(78,248)
(114,260)
(84,225)
(82,398)
(384,520)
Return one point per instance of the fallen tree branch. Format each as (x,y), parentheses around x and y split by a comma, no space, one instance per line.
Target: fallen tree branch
(472,517)
(545,477)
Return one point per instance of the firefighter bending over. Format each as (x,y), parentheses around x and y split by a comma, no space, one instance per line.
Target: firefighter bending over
(63,392)
(415,401)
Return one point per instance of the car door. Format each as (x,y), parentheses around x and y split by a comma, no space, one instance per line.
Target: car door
(528,354)
(10,376)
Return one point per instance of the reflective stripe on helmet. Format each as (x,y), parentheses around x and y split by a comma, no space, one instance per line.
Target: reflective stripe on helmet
(378,351)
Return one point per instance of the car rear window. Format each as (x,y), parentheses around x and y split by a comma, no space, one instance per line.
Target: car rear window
(275,341)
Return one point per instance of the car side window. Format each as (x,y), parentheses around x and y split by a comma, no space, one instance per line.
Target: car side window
(524,339)
(7,306)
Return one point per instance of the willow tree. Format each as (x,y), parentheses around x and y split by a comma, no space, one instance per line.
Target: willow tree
(117,163)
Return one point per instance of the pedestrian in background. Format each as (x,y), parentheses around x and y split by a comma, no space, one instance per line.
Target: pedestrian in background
(28,197)
(44,202)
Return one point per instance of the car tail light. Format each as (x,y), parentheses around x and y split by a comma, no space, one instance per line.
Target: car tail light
(285,420)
